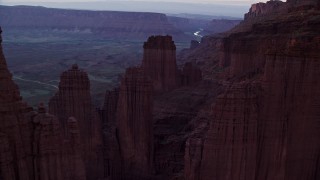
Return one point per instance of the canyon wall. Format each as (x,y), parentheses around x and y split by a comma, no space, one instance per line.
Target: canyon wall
(264,125)
(111,24)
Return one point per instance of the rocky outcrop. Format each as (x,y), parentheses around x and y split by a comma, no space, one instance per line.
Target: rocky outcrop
(277,7)
(112,158)
(47,146)
(7,171)
(264,126)
(159,62)
(232,137)
(56,157)
(32,145)
(264,9)
(134,123)
(73,162)
(15,128)
(73,100)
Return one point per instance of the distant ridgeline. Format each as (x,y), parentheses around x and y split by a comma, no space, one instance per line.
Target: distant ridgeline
(107,23)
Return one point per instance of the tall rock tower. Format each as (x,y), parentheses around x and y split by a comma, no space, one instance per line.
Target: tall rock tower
(134,122)
(159,62)
(31,143)
(15,132)
(73,100)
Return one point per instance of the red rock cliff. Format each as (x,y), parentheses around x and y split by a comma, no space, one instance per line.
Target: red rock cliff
(31,143)
(265,123)
(159,62)
(134,123)
(15,128)
(112,157)
(73,100)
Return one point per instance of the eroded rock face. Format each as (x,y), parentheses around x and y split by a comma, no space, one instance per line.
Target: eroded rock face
(73,100)
(159,62)
(112,158)
(265,123)
(290,114)
(191,74)
(73,161)
(15,128)
(263,9)
(47,146)
(134,123)
(230,146)
(6,159)
(31,143)
(178,115)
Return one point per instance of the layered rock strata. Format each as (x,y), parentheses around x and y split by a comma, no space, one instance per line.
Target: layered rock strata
(159,62)
(229,148)
(265,123)
(73,100)
(134,124)
(74,164)
(47,146)
(32,145)
(110,24)
(112,158)
(15,128)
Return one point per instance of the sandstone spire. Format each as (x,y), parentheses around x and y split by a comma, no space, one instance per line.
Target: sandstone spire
(9,91)
(159,62)
(15,124)
(134,122)
(47,146)
(74,100)
(111,147)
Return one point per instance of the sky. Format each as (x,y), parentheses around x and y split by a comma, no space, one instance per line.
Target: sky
(184,1)
(232,8)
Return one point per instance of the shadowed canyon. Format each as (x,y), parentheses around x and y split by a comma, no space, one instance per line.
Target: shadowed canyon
(240,102)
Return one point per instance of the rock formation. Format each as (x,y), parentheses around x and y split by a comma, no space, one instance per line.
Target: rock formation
(47,146)
(159,62)
(31,143)
(112,159)
(264,125)
(191,74)
(262,9)
(15,124)
(176,115)
(73,100)
(230,146)
(110,24)
(290,113)
(274,7)
(74,164)
(134,123)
